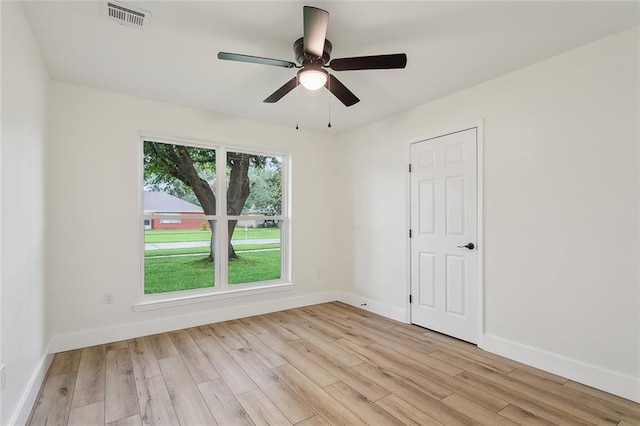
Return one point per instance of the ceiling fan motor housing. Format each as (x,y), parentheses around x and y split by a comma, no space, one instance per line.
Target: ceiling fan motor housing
(303,59)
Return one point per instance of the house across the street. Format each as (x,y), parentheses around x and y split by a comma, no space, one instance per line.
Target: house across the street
(163,204)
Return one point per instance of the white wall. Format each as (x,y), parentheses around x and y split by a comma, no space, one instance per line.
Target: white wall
(25,315)
(560,208)
(94,183)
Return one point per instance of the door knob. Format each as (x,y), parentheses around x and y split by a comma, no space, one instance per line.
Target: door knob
(470,246)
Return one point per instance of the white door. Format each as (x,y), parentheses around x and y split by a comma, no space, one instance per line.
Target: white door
(444,253)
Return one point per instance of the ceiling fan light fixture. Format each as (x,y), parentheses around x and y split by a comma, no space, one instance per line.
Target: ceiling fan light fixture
(312,78)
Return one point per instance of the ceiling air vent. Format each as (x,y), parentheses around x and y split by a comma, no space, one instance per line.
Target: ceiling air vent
(128,15)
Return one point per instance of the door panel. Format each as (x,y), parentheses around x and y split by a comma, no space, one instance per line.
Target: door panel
(428,280)
(444,213)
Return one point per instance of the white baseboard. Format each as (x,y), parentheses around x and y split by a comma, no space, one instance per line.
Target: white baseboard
(100,336)
(28,398)
(609,381)
(373,306)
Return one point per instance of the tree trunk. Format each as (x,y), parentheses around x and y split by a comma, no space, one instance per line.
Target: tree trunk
(238,191)
(212,244)
(231,227)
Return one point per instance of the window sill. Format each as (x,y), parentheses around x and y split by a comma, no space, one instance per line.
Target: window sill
(188,299)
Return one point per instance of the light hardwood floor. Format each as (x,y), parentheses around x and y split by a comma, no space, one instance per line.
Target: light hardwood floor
(319,365)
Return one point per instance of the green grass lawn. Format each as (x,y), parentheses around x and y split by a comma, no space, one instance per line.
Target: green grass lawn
(176,273)
(189,235)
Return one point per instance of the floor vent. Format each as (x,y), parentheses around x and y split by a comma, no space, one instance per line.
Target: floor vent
(128,15)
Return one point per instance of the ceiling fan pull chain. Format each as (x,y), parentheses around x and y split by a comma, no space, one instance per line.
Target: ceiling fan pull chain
(297,101)
(329,100)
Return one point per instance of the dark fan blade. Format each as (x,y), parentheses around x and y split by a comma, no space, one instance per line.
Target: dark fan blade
(315,30)
(279,94)
(341,92)
(377,62)
(255,60)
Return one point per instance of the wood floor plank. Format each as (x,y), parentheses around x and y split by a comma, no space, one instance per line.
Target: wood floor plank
(90,383)
(578,398)
(275,328)
(316,420)
(420,376)
(288,402)
(54,402)
(321,401)
(120,389)
(346,374)
(222,404)
(586,413)
(65,362)
(523,417)
(186,399)
(225,337)
(154,402)
(305,320)
(461,364)
(375,320)
(360,405)
(198,332)
(143,357)
(90,414)
(521,400)
(405,412)
(406,345)
(475,411)
(252,325)
(261,410)
(129,421)
(631,406)
(398,385)
(343,331)
(449,344)
(410,394)
(343,355)
(260,350)
(197,363)
(464,363)
(417,352)
(429,380)
(163,346)
(114,346)
(309,368)
(234,376)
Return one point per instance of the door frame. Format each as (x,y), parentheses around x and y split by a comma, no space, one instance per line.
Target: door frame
(479,126)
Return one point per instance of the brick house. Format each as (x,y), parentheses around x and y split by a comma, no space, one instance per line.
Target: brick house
(161,203)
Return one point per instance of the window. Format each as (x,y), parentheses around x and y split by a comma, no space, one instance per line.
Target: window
(190,242)
(170,221)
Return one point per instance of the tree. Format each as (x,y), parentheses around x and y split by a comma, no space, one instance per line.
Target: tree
(266,188)
(178,165)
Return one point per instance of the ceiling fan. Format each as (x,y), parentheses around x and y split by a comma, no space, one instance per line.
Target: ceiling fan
(313,54)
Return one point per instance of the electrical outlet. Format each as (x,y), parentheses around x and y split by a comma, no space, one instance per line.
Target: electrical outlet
(108,298)
(3,376)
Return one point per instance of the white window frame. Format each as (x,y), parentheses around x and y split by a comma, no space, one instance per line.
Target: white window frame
(221,288)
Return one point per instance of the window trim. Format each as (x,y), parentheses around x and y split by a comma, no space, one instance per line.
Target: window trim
(220,289)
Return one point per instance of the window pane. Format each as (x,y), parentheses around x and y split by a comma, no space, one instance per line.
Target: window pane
(178,259)
(254,184)
(173,182)
(258,257)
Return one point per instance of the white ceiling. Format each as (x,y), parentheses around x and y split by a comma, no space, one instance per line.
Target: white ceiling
(450,46)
